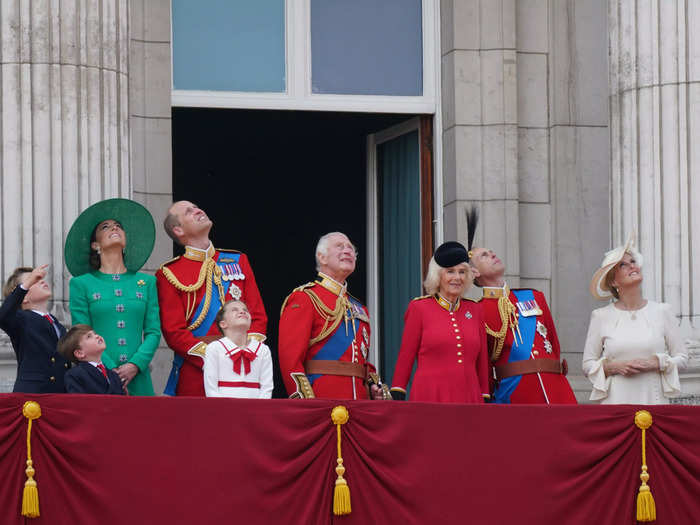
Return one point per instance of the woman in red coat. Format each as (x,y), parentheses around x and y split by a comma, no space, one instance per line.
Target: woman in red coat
(444,332)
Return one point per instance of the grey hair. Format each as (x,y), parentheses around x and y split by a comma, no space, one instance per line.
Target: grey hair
(322,246)
(432,278)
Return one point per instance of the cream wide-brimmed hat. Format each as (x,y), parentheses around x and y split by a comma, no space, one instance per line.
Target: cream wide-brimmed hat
(598,288)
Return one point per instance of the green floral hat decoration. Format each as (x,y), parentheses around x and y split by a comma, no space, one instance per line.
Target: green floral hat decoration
(138,226)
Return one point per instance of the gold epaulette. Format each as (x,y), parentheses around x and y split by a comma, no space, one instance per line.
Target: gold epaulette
(169,261)
(421,297)
(297,289)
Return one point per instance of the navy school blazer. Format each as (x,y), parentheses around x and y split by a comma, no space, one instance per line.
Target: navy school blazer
(85,378)
(40,368)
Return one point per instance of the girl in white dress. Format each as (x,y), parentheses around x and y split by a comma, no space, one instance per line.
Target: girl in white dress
(235,365)
(633,349)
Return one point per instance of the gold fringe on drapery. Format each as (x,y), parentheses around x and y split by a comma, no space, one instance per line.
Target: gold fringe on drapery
(341,493)
(646,507)
(30,497)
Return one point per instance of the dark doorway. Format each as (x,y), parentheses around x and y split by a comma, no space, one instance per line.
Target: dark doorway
(273,182)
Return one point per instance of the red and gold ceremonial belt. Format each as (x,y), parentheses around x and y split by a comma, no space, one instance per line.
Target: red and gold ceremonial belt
(531,366)
(239,384)
(335,368)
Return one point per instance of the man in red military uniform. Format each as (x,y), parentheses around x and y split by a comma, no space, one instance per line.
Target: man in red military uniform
(325,332)
(191,290)
(521,336)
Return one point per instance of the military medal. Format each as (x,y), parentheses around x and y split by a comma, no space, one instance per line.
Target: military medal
(365,336)
(468,315)
(528,308)
(542,329)
(239,272)
(235,291)
(547,346)
(363,347)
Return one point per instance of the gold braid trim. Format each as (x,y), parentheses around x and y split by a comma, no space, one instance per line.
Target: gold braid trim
(334,316)
(208,272)
(508,318)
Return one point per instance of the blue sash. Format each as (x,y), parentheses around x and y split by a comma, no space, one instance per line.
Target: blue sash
(518,352)
(336,345)
(202,329)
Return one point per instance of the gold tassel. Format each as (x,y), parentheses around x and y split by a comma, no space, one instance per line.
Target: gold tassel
(341,493)
(646,507)
(30,496)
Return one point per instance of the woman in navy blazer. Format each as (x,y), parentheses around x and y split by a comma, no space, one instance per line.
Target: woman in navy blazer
(34,332)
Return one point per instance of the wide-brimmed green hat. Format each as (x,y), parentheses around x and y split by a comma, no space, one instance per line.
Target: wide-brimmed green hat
(137,223)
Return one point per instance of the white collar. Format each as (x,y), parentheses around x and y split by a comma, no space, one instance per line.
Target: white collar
(503,288)
(43,314)
(228,343)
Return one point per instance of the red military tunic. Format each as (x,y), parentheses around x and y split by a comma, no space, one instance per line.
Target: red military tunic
(529,389)
(301,322)
(175,303)
(449,342)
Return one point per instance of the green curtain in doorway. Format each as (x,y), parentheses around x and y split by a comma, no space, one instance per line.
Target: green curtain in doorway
(400,241)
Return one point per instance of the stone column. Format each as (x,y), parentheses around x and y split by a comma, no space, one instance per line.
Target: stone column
(480,136)
(655,130)
(64,125)
(151,134)
(579,185)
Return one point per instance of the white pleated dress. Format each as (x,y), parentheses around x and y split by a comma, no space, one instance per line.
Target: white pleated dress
(619,335)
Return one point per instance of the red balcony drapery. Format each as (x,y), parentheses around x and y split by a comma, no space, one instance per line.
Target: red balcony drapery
(114,460)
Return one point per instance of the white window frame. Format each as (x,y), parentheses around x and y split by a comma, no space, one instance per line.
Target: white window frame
(298,95)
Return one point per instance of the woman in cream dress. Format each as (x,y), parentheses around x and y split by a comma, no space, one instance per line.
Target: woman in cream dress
(633,349)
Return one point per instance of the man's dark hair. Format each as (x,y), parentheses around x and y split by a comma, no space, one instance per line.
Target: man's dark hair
(169,224)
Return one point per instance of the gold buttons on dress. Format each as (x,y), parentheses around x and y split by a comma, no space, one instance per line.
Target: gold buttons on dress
(52,379)
(459,337)
(459,360)
(456,330)
(459,353)
(455,325)
(535,352)
(459,345)
(53,359)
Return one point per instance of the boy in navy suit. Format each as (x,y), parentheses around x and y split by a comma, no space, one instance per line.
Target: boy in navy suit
(83,346)
(33,332)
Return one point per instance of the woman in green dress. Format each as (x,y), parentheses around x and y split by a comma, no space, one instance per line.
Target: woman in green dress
(106,246)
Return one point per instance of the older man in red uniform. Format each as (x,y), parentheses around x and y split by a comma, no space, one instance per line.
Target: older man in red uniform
(192,288)
(325,332)
(521,336)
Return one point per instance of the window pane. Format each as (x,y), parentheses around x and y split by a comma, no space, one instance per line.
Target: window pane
(229,45)
(367,47)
